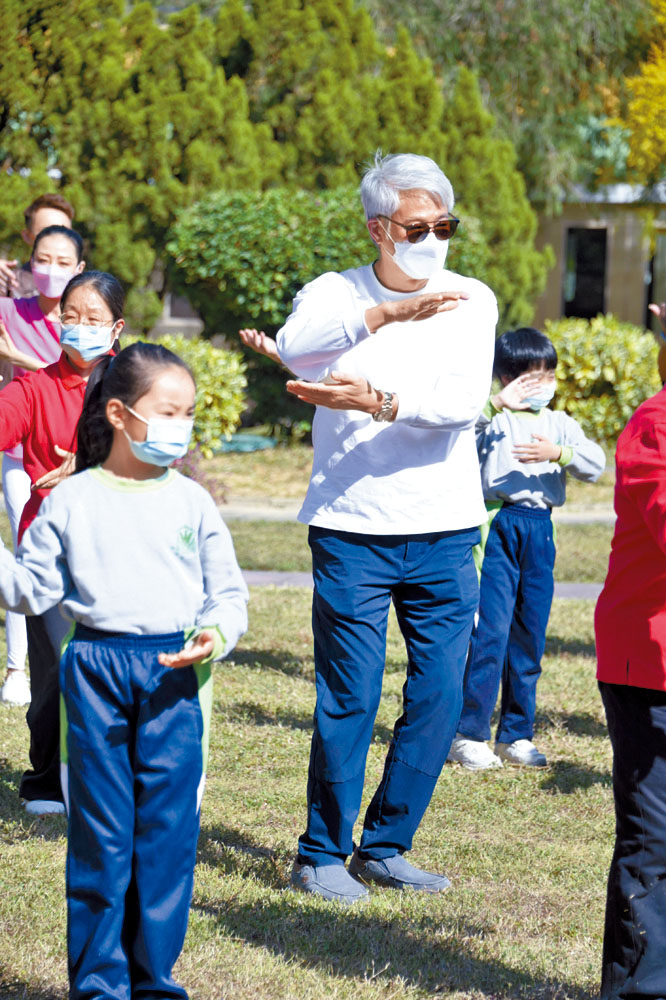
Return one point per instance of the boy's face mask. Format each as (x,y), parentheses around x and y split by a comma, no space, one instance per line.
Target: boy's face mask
(542,397)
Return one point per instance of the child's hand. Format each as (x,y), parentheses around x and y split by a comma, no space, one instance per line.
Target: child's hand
(194,651)
(540,449)
(513,395)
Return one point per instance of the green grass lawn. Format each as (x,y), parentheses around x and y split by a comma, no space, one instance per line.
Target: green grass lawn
(582,549)
(527,851)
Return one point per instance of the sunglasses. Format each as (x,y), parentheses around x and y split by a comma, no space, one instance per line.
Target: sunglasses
(443,230)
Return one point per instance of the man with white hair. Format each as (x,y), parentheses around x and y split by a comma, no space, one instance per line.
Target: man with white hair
(397,357)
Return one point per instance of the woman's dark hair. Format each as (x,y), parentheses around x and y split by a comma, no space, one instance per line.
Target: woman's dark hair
(127,376)
(107,287)
(518,351)
(71,235)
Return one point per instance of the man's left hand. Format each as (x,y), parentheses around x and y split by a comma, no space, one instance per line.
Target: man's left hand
(342,392)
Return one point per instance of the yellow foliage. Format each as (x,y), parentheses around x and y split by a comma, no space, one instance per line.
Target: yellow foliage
(646,116)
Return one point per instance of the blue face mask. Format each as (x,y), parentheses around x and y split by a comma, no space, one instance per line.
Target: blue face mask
(88,342)
(542,398)
(166,439)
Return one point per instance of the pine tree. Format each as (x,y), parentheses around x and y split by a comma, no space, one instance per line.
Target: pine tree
(482,168)
(141,122)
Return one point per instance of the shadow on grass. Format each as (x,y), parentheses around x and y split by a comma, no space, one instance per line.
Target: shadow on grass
(557,646)
(256,715)
(429,951)
(566,778)
(275,659)
(252,713)
(231,852)
(576,723)
(17,990)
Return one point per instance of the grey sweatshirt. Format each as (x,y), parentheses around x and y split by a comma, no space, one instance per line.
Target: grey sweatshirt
(535,484)
(127,556)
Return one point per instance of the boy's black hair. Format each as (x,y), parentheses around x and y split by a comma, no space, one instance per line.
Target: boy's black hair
(517,351)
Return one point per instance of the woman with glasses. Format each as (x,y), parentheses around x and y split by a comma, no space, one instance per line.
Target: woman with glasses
(40,411)
(30,340)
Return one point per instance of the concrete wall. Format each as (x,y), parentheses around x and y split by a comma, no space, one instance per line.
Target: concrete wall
(628,254)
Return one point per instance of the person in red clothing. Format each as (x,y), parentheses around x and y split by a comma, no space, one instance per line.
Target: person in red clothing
(41,411)
(30,340)
(630,627)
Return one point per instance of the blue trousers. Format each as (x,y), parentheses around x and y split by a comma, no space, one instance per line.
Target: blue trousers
(134,753)
(432,581)
(634,952)
(516,593)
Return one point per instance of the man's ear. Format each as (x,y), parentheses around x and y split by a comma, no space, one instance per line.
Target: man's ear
(27,237)
(373,229)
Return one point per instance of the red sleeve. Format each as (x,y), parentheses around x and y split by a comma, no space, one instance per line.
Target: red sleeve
(16,411)
(641,465)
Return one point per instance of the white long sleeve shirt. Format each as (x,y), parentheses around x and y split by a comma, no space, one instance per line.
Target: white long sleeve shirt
(419,473)
(127,556)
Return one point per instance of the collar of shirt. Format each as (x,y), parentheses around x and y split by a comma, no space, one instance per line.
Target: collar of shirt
(67,374)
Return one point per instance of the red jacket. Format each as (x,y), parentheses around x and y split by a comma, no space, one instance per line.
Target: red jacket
(630,618)
(41,410)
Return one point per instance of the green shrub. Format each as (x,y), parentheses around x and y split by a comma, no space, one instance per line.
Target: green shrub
(606,369)
(220,378)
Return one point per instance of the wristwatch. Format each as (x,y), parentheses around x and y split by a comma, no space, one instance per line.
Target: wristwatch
(385,411)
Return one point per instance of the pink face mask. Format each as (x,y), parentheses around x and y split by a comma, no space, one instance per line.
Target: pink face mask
(51,280)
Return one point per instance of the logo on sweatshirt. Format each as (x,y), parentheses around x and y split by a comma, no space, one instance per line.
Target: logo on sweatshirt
(186,543)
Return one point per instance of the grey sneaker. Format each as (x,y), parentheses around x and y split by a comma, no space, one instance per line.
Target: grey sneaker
(328,881)
(396,873)
(521,752)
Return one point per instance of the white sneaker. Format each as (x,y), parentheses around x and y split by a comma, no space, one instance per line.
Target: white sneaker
(521,752)
(475,755)
(16,689)
(42,807)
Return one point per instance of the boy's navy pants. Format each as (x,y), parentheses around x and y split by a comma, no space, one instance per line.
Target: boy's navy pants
(432,581)
(134,746)
(516,593)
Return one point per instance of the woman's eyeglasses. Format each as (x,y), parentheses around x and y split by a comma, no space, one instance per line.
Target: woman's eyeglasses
(417,231)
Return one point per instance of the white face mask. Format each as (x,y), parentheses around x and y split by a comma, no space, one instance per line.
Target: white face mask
(420,260)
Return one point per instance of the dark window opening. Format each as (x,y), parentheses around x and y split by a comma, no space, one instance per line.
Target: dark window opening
(656,290)
(585,273)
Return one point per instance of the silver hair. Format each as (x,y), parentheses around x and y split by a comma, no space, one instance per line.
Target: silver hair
(397,172)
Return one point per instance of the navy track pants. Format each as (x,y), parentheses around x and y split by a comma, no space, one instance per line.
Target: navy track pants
(134,748)
(433,584)
(516,594)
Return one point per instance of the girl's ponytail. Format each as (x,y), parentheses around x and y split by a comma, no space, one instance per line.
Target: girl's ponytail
(94,433)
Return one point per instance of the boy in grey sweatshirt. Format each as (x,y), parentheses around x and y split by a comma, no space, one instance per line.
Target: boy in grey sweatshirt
(525,451)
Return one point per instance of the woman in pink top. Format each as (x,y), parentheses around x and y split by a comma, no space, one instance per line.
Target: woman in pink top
(29,340)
